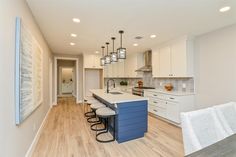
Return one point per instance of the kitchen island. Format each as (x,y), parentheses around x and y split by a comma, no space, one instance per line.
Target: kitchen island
(132,114)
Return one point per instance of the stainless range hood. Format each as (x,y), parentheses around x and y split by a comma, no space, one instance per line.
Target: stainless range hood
(147,62)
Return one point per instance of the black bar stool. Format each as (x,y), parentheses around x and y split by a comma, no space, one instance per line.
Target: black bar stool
(88,103)
(106,113)
(94,106)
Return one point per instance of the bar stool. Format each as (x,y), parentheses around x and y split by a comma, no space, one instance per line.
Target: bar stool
(94,106)
(89,102)
(106,113)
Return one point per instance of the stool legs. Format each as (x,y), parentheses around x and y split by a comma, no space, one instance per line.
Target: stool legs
(106,131)
(96,124)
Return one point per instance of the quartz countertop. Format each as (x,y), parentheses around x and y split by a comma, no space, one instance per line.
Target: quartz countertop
(176,93)
(116,98)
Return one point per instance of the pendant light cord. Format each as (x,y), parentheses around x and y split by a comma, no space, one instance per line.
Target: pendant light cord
(121,32)
(103,51)
(113,41)
(107,47)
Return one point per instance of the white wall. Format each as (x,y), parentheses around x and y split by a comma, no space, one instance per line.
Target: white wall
(215,67)
(15,140)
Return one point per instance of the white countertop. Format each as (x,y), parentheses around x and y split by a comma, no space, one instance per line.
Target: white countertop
(116,98)
(176,93)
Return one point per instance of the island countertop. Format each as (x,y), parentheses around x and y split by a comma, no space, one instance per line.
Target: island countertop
(116,98)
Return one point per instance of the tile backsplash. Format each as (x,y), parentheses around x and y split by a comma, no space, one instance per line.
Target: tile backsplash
(180,84)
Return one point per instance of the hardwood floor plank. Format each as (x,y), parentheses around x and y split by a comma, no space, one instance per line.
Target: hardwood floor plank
(67,134)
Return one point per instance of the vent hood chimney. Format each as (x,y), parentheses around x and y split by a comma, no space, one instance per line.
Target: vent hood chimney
(148,62)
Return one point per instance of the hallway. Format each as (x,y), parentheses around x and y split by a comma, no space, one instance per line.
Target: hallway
(67,134)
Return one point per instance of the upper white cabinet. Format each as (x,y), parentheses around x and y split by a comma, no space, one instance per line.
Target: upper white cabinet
(92,61)
(155,62)
(165,61)
(175,59)
(132,63)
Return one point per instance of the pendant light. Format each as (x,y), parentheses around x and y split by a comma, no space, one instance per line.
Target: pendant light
(102,60)
(107,57)
(114,56)
(121,51)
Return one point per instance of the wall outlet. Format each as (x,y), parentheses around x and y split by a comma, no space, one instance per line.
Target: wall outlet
(161,84)
(183,85)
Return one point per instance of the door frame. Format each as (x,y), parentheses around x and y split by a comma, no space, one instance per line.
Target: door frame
(77,76)
(50,82)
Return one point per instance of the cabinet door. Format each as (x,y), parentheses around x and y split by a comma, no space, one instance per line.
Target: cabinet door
(173,112)
(179,59)
(155,63)
(165,62)
(121,67)
(110,70)
(114,69)
(131,66)
(105,71)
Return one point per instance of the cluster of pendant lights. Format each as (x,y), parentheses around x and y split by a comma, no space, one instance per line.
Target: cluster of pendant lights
(113,56)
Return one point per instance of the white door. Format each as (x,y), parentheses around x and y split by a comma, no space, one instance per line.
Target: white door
(165,62)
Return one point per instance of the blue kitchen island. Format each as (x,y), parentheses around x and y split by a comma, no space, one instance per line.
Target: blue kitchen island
(131,110)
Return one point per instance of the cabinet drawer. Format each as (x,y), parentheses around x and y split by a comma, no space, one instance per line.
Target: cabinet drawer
(155,95)
(157,111)
(157,103)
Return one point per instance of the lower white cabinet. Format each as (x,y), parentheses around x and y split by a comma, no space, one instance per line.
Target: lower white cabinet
(169,106)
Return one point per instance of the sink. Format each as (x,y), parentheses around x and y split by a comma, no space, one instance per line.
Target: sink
(115,93)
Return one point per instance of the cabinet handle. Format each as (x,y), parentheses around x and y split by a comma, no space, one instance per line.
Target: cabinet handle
(166,102)
(155,110)
(155,102)
(172,98)
(154,95)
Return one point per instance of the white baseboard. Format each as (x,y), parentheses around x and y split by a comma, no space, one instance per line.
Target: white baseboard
(79,101)
(31,149)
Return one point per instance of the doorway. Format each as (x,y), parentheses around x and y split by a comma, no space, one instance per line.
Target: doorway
(66,72)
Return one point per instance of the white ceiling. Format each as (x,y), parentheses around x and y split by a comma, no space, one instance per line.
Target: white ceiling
(101,19)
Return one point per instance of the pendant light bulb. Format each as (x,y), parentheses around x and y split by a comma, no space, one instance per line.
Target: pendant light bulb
(121,51)
(114,56)
(102,60)
(107,57)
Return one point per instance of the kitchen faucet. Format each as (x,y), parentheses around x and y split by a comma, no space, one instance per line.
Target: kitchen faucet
(114,84)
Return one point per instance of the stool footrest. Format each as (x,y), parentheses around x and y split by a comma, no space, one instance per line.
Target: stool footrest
(96,128)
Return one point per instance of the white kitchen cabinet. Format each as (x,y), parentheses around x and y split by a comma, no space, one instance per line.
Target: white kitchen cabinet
(132,63)
(165,61)
(169,106)
(92,62)
(121,69)
(175,59)
(172,109)
(156,63)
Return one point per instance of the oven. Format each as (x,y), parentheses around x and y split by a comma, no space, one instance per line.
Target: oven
(140,90)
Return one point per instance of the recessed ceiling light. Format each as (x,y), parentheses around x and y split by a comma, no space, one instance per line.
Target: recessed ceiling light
(96,52)
(153,36)
(135,44)
(224,9)
(76,20)
(72,44)
(73,35)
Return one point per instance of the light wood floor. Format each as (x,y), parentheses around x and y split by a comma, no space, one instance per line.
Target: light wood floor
(67,134)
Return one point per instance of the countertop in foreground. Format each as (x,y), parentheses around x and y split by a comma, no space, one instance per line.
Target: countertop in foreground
(115,99)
